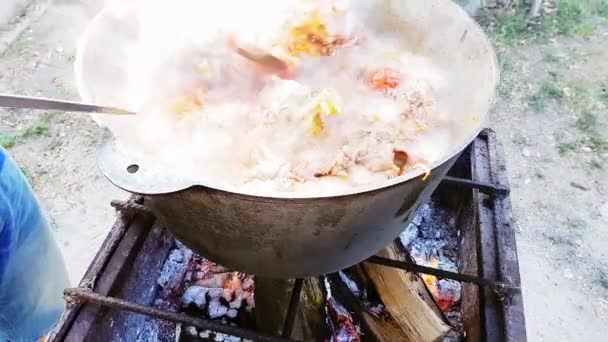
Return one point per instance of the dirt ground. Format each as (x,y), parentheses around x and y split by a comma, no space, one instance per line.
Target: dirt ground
(551,117)
(59,156)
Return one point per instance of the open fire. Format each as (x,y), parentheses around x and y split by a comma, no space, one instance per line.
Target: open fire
(211,291)
(144,285)
(432,240)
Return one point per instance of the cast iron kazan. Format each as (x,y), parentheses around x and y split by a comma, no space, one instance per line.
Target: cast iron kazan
(292,236)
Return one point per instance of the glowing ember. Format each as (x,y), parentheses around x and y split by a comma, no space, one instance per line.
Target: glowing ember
(431,281)
(342,326)
(217,292)
(445,298)
(432,241)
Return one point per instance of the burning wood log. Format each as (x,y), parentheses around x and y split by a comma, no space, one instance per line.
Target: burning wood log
(272,298)
(406,299)
(170,282)
(367,302)
(375,324)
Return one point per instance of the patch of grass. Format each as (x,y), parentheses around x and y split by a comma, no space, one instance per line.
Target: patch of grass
(569,15)
(564,148)
(520,139)
(552,89)
(583,99)
(8,140)
(603,275)
(548,89)
(537,102)
(18,48)
(556,57)
(568,238)
(603,95)
(512,29)
(506,86)
(53,145)
(581,95)
(595,164)
(602,8)
(588,125)
(63,91)
(572,17)
(587,122)
(596,142)
(38,127)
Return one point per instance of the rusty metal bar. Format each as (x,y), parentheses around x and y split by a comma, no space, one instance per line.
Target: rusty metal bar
(89,279)
(293,308)
(111,302)
(130,205)
(499,288)
(123,256)
(507,265)
(486,188)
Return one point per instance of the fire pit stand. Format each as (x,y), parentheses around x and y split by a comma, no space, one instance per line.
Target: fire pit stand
(136,248)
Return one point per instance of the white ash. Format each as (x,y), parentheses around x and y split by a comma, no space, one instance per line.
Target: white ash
(218,302)
(195,295)
(432,233)
(327,287)
(247,283)
(432,240)
(216,309)
(232,313)
(374,307)
(409,234)
(207,334)
(217,336)
(226,338)
(237,302)
(250,302)
(417,220)
(351,284)
(174,267)
(191,331)
(228,295)
(216,293)
(450,288)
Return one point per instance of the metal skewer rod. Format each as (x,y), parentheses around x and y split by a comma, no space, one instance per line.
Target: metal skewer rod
(26,102)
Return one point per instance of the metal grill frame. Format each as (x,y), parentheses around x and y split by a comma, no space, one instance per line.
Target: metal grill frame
(502,305)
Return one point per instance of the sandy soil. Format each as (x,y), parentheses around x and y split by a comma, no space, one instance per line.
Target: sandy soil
(559,199)
(61,164)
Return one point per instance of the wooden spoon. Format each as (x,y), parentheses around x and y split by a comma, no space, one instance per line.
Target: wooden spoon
(260,57)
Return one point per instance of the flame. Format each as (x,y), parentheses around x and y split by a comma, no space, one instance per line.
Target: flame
(445,300)
(431,281)
(233,283)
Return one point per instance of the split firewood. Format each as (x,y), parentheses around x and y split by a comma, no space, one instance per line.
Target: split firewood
(407,300)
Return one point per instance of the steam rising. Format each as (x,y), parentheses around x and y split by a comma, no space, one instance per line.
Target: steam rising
(256,131)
